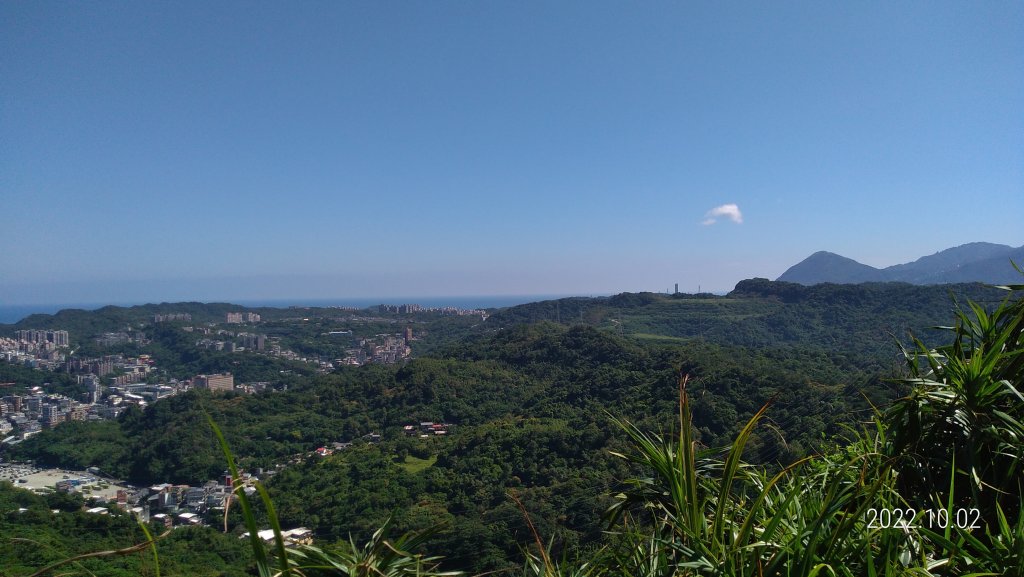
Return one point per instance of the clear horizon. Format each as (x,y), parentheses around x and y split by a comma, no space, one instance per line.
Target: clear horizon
(245,151)
(11,314)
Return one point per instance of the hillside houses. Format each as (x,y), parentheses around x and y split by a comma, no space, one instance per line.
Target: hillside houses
(426,429)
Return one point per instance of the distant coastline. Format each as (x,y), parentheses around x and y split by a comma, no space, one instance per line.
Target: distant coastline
(10,314)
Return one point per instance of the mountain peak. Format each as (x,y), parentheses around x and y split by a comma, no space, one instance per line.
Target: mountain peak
(971,262)
(824,266)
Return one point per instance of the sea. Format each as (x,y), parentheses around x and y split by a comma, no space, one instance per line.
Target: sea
(10,314)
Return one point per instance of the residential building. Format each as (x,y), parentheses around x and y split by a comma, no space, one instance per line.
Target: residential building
(218,382)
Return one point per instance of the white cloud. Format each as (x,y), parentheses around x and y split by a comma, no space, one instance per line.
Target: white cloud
(730,211)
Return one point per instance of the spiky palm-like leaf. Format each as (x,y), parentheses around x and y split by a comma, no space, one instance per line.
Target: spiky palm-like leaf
(966,404)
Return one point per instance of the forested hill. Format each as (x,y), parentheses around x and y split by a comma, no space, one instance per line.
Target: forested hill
(529,398)
(113,318)
(529,410)
(863,320)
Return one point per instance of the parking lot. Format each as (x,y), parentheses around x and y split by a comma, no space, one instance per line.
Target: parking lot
(40,480)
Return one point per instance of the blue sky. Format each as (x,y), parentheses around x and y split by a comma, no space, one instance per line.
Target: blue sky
(151,151)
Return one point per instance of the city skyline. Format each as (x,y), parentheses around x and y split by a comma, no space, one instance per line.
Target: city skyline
(259,152)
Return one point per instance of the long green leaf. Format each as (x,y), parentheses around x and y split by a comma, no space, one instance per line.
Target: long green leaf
(258,551)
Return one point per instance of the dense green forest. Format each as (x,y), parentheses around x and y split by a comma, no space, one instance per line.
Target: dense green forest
(857,321)
(537,397)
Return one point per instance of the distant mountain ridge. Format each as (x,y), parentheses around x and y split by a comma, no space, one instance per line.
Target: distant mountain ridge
(973,262)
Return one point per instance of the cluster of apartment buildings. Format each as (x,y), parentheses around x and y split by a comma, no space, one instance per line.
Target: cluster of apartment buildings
(387,349)
(141,394)
(239,342)
(457,312)
(241,317)
(170,504)
(399,309)
(42,337)
(35,348)
(173,317)
(234,343)
(46,349)
(114,339)
(231,341)
(383,349)
(131,369)
(24,415)
(444,311)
